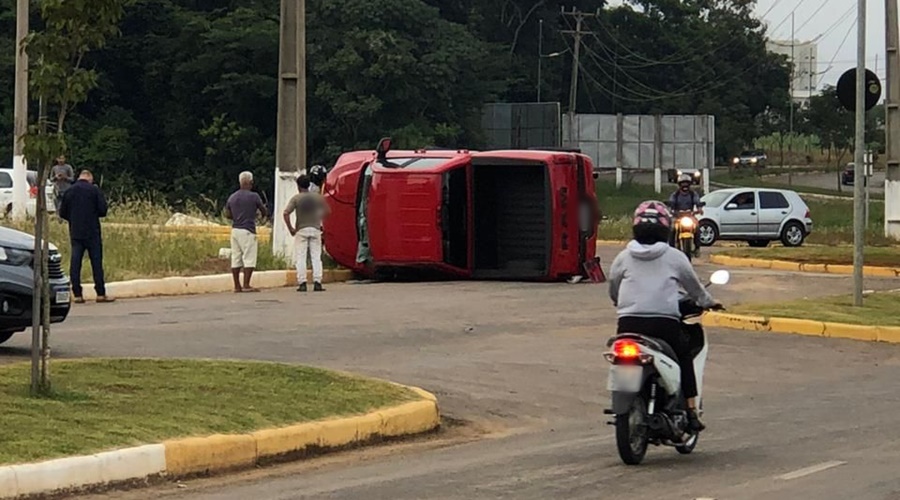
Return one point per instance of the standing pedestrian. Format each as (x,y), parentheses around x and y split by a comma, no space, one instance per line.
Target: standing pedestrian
(241,209)
(82,206)
(63,176)
(310,209)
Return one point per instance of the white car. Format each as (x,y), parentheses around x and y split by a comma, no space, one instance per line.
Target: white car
(755,215)
(7,188)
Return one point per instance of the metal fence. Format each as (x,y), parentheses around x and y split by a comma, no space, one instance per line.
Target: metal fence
(521,125)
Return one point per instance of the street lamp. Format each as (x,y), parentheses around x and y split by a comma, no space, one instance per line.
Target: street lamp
(542,56)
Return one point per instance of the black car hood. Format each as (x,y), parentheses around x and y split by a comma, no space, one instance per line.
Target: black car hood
(11,238)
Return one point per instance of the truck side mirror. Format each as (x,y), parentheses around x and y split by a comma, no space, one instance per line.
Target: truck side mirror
(384,146)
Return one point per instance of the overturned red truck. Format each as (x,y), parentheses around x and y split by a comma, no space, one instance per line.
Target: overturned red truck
(493,215)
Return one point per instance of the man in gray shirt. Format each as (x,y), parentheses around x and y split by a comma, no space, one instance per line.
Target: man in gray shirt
(63,176)
(241,209)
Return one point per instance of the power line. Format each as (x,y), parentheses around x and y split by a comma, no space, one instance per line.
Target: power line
(846,36)
(810,18)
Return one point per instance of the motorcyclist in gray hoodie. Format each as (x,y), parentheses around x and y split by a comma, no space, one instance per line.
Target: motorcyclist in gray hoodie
(644,284)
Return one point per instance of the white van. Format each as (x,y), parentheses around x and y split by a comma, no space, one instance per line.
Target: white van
(7,188)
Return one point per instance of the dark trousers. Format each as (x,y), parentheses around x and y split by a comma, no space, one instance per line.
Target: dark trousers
(669,331)
(94,248)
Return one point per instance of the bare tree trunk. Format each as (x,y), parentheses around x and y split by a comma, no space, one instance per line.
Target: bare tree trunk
(39,262)
(45,281)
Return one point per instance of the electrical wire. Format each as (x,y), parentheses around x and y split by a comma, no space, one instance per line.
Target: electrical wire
(846,36)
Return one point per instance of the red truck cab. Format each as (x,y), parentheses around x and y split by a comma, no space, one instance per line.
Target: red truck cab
(507,215)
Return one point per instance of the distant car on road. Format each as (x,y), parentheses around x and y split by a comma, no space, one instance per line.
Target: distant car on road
(17,283)
(695,173)
(849,174)
(7,188)
(755,215)
(751,158)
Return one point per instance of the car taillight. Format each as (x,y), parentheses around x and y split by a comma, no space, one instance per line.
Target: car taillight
(808,215)
(33,191)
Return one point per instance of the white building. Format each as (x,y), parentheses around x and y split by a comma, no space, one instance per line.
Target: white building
(805,59)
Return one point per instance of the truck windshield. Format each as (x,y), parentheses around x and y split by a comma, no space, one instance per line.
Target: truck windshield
(419,163)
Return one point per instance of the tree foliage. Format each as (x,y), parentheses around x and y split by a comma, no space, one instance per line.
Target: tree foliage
(59,81)
(187,97)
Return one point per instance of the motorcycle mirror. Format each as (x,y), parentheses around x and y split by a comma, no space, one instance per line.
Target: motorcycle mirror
(720,277)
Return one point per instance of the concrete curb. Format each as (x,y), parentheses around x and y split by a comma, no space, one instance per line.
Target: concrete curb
(195,285)
(886,334)
(784,265)
(218,453)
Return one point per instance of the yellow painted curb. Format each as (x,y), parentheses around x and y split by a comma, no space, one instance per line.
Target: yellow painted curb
(784,265)
(217,453)
(209,454)
(887,334)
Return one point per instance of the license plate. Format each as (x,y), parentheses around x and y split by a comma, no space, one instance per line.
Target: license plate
(62,297)
(625,378)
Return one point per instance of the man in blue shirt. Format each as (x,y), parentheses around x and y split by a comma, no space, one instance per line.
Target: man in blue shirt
(82,206)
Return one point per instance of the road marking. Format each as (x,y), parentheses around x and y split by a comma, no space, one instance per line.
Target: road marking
(810,470)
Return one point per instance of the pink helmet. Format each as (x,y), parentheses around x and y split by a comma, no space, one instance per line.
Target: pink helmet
(652,212)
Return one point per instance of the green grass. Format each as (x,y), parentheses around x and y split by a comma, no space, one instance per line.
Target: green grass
(107,404)
(141,251)
(878,309)
(842,255)
(751,180)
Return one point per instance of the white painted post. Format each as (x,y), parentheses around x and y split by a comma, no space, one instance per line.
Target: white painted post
(619,176)
(285,188)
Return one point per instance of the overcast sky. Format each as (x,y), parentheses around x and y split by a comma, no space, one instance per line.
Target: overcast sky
(831,20)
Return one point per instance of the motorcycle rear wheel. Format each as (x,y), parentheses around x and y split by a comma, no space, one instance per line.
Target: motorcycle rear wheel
(632,433)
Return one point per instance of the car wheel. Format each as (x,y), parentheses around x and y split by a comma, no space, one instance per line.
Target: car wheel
(758,243)
(793,235)
(708,233)
(4,336)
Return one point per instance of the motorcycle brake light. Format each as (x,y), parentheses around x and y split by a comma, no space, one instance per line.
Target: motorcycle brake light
(626,349)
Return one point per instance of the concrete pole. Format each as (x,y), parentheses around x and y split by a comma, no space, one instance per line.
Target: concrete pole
(20,112)
(540,57)
(290,149)
(892,123)
(859,229)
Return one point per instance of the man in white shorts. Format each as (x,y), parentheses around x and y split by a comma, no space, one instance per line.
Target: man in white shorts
(309,209)
(241,209)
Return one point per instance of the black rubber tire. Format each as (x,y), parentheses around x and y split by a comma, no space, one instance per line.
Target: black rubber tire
(4,336)
(629,454)
(687,246)
(787,231)
(709,226)
(758,243)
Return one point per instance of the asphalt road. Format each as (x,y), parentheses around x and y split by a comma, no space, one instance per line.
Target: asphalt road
(521,365)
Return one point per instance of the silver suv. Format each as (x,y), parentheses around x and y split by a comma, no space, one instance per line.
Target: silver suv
(755,215)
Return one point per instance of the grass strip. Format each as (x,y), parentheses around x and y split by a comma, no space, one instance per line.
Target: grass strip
(878,309)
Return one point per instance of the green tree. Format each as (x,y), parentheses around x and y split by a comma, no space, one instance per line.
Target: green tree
(59,80)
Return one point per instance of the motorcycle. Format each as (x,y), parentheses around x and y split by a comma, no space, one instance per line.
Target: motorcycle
(685,228)
(644,382)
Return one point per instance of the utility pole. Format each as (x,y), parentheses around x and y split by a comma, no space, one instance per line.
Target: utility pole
(859,230)
(576,52)
(20,112)
(791,136)
(290,148)
(540,56)
(892,123)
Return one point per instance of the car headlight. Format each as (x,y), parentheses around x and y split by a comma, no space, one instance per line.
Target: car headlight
(15,257)
(687,222)
(753,160)
(737,160)
(697,174)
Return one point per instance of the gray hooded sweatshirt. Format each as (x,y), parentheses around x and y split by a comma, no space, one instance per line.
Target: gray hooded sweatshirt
(645,281)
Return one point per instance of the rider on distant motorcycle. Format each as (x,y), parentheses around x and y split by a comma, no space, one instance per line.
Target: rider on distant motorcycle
(686,200)
(644,284)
